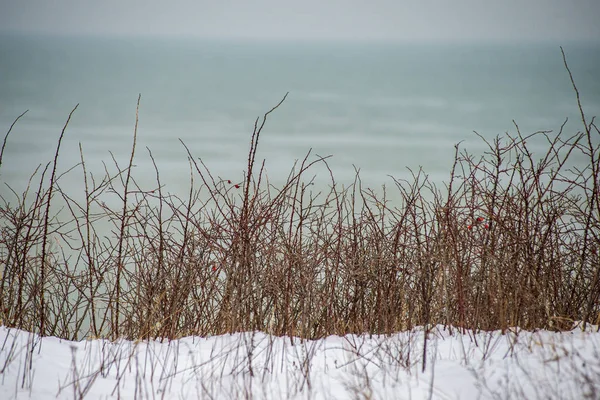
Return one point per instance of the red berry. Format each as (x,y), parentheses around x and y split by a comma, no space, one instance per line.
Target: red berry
(487,226)
(229,181)
(469,227)
(237,186)
(479,219)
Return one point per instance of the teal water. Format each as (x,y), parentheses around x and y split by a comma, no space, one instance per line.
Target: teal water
(378,107)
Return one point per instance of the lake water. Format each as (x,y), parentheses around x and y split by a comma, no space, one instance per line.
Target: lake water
(379,107)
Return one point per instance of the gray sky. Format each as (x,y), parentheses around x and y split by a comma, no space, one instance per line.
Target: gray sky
(408,20)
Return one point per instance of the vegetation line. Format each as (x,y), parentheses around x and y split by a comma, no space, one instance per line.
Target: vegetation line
(512,239)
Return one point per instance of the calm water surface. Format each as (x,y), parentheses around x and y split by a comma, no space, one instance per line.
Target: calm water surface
(377,107)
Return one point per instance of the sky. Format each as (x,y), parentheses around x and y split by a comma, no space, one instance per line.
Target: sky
(351,20)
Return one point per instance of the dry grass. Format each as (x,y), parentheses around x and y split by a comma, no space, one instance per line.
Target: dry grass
(511,240)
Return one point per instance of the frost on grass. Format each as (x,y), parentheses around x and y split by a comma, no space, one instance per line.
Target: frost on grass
(459,365)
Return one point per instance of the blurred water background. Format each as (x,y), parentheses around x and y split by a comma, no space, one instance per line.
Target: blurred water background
(377,107)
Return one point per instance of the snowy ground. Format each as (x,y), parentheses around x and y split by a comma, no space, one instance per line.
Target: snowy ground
(518,364)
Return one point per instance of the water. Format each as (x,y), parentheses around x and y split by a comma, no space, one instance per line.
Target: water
(377,107)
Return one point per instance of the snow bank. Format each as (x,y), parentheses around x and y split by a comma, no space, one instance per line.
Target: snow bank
(518,364)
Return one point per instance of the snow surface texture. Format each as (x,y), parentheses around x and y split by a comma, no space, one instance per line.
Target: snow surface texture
(459,365)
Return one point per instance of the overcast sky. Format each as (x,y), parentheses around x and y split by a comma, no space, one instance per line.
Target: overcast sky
(412,20)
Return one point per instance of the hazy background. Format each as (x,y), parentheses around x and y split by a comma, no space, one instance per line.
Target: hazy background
(380,85)
(390,20)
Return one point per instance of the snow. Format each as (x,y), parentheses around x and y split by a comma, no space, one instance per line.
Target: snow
(459,365)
